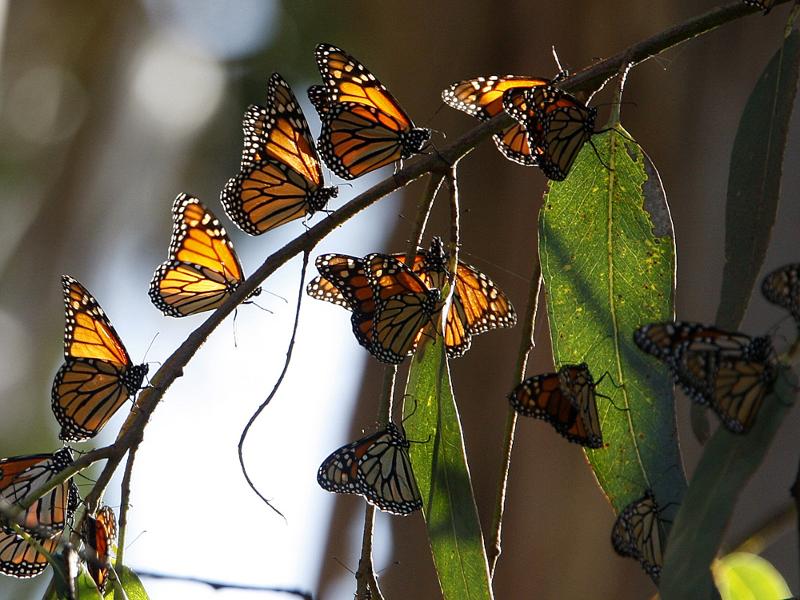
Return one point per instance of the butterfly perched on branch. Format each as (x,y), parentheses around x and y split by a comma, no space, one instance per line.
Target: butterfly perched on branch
(363,127)
(639,533)
(97,376)
(281,177)
(202,269)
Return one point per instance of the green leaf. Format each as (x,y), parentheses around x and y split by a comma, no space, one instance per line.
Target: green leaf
(728,462)
(86,587)
(745,576)
(755,179)
(441,471)
(608,260)
(131,585)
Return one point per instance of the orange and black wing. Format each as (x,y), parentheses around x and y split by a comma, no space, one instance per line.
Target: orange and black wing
(566,400)
(740,386)
(376,467)
(482,97)
(639,533)
(99,535)
(202,269)
(363,127)
(97,376)
(45,520)
(281,176)
(666,340)
(782,287)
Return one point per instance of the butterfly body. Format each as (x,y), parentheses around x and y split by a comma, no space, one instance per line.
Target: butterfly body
(363,127)
(45,520)
(97,376)
(566,400)
(638,532)
(202,269)
(376,467)
(280,178)
(482,97)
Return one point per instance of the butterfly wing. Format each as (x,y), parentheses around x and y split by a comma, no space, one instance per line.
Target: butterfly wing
(482,97)
(376,467)
(740,387)
(782,287)
(99,535)
(281,176)
(363,126)
(202,269)
(638,533)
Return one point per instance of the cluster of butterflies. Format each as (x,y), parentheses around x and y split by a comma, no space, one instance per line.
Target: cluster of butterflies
(25,551)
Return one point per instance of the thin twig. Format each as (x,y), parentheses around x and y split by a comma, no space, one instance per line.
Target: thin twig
(276,387)
(526,344)
(423,213)
(125,504)
(221,585)
(438,162)
(366,582)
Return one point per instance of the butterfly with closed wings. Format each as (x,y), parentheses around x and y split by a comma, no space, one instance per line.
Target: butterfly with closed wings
(97,376)
(202,269)
(363,126)
(281,177)
(376,467)
(99,536)
(639,532)
(45,520)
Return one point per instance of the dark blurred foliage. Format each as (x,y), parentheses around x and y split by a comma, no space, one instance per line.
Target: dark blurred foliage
(64,201)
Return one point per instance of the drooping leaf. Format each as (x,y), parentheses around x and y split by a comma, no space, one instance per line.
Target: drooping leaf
(754,181)
(745,576)
(441,471)
(608,260)
(728,462)
(131,585)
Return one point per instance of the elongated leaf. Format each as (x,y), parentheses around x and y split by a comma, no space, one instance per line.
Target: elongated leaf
(728,461)
(745,576)
(131,585)
(441,470)
(754,181)
(608,260)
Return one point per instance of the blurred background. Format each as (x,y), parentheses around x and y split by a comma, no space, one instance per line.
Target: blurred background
(108,110)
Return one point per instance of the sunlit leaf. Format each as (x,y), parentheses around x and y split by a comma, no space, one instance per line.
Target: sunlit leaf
(131,584)
(440,467)
(608,260)
(745,576)
(754,181)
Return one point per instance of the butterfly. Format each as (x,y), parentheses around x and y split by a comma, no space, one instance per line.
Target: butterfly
(782,287)
(97,376)
(566,400)
(99,535)
(478,305)
(482,97)
(639,533)
(363,126)
(376,467)
(728,371)
(202,269)
(281,177)
(389,302)
(765,5)
(44,520)
(557,123)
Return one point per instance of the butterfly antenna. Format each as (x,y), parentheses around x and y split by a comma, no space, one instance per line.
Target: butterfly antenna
(344,566)
(233,325)
(411,414)
(257,305)
(494,265)
(276,296)
(597,154)
(153,341)
(562,72)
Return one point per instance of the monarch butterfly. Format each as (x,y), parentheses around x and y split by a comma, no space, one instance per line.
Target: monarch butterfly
(639,533)
(482,97)
(202,269)
(45,519)
(477,304)
(281,177)
(566,400)
(390,303)
(765,5)
(558,125)
(363,126)
(376,467)
(99,535)
(97,376)
(730,372)
(782,287)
